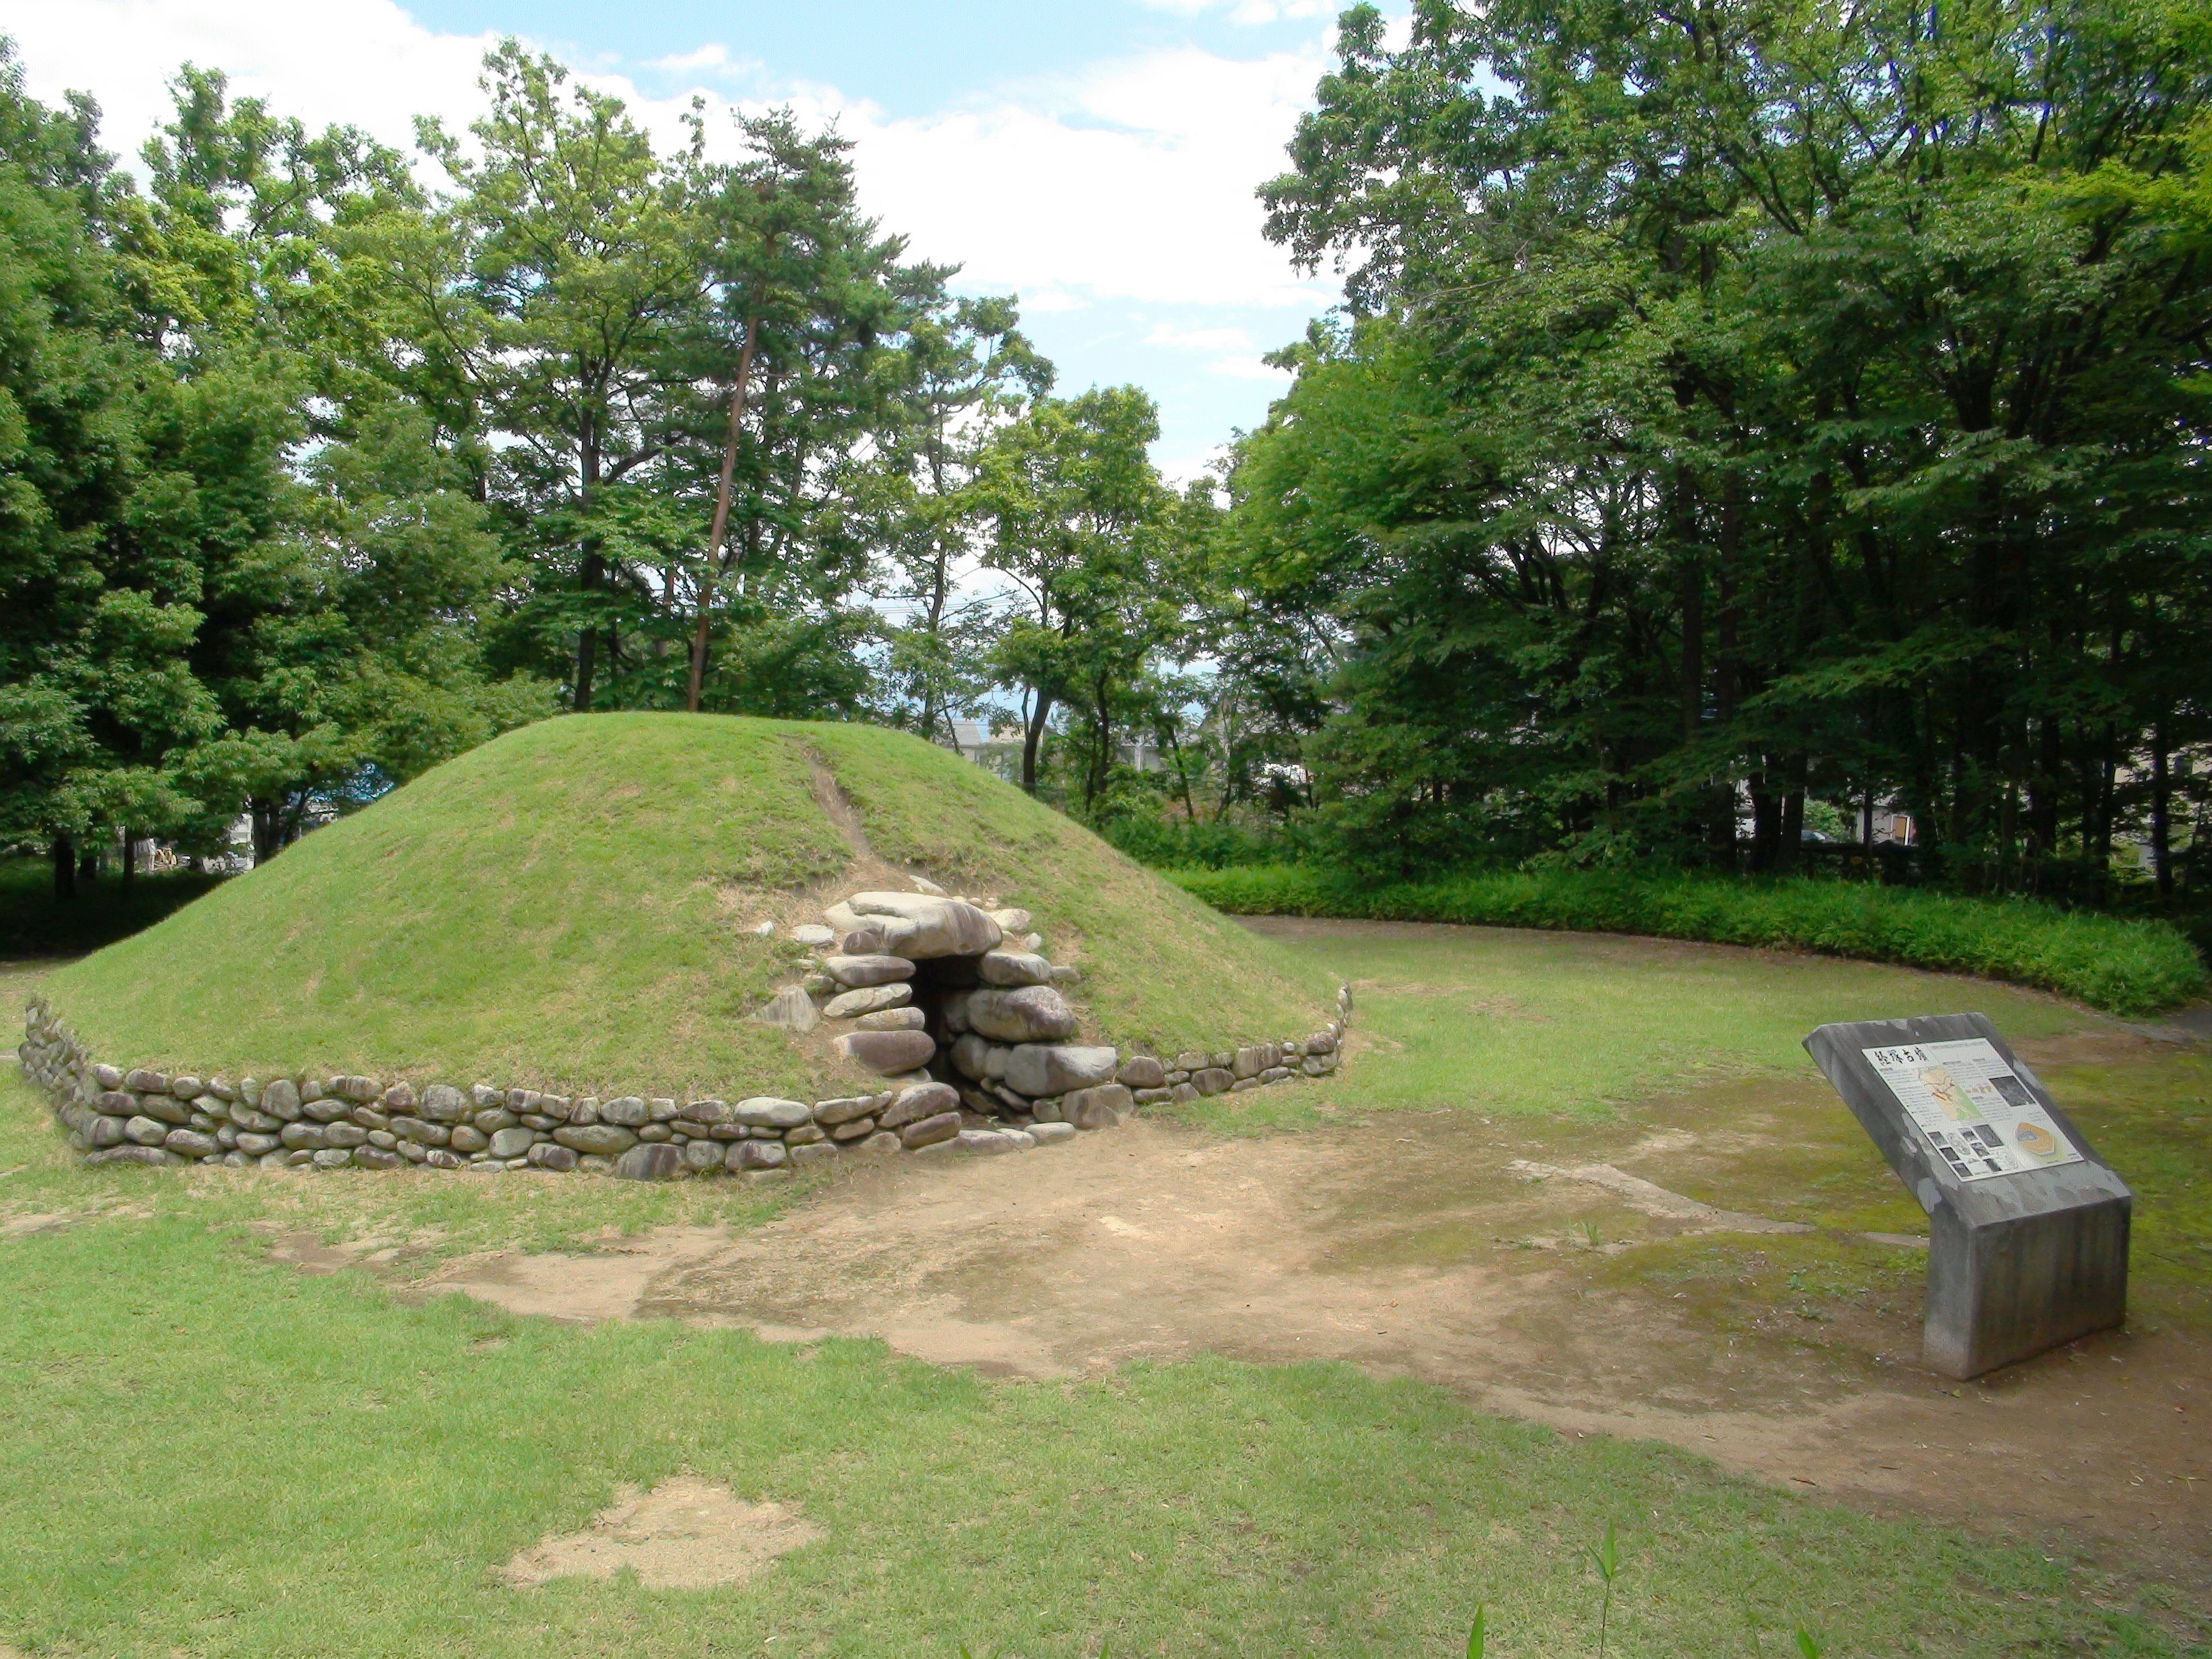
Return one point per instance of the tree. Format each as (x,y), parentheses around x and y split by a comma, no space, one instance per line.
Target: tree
(1741,406)
(1082,527)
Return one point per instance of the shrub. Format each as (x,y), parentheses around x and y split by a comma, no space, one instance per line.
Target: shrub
(2124,967)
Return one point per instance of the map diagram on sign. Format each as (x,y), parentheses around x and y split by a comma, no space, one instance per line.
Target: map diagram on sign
(1973,1108)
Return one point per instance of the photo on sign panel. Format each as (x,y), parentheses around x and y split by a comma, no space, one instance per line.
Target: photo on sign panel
(1973,1108)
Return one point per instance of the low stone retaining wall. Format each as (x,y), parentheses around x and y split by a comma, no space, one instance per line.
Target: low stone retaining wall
(976,1061)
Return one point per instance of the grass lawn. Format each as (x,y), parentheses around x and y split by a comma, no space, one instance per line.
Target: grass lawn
(202,1453)
(1516,1021)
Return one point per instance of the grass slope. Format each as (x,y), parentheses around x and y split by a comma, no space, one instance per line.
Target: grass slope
(566,908)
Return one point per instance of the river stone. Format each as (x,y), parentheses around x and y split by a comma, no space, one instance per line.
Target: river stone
(922,925)
(1141,1071)
(187,1087)
(1011,921)
(443,1103)
(438,1159)
(923,1100)
(1097,1109)
(190,1143)
(358,1089)
(767,1112)
(813,935)
(875,999)
(801,1157)
(107,1077)
(1014,968)
(335,1158)
(140,1081)
(1034,1014)
(893,1019)
(930,1131)
(375,1158)
(106,1132)
(828,1112)
(402,1097)
(513,1142)
(596,1139)
(1045,1134)
(858,1129)
(989,1142)
(1212,1080)
(345,1134)
(971,1056)
(304,1136)
(547,1156)
(466,1137)
(1321,1043)
(887,1053)
(861,971)
(135,1155)
(1034,1069)
(790,1009)
(626,1111)
(258,1145)
(700,1157)
(654,1161)
(756,1155)
(116,1103)
(143,1131)
(168,1108)
(710,1112)
(877,1145)
(422,1135)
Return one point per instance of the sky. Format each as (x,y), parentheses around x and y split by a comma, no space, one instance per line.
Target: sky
(1098,159)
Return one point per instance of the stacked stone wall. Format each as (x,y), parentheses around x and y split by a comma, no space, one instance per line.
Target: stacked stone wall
(982,1061)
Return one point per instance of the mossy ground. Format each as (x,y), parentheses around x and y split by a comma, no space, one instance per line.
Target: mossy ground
(566,909)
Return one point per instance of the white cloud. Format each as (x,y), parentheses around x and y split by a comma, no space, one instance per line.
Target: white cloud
(1248,368)
(1129,180)
(1199,339)
(1244,11)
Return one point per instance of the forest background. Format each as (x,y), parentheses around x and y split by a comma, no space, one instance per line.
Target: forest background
(1739,418)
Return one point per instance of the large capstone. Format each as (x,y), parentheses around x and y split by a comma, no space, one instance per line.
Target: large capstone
(1013,968)
(887,1053)
(1033,1013)
(917,926)
(1036,1069)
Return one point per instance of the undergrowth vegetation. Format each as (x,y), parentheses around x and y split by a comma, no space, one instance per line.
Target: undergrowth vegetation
(2124,967)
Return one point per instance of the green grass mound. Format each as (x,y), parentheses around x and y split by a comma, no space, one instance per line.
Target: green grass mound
(2123,967)
(566,909)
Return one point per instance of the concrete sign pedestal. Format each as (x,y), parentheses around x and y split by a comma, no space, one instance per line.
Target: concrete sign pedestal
(2027,1226)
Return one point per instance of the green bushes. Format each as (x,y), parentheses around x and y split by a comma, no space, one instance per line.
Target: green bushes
(2123,967)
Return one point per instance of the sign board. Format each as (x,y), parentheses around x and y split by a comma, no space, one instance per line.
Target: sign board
(2027,1226)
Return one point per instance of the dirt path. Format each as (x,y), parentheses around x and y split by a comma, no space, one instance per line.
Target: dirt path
(1158,1243)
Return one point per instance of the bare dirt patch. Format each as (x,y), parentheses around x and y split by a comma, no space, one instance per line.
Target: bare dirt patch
(1410,1247)
(683,1535)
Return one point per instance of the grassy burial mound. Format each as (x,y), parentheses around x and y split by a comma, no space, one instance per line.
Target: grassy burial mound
(573,908)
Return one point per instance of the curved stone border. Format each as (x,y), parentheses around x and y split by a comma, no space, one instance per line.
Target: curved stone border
(993,1020)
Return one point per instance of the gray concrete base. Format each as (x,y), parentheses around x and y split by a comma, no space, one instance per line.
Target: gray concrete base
(2017,1263)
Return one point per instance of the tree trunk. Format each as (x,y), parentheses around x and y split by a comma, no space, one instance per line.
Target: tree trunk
(724,488)
(2161,811)
(87,865)
(65,857)
(593,574)
(1032,737)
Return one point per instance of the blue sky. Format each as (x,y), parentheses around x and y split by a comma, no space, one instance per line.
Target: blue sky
(1099,160)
